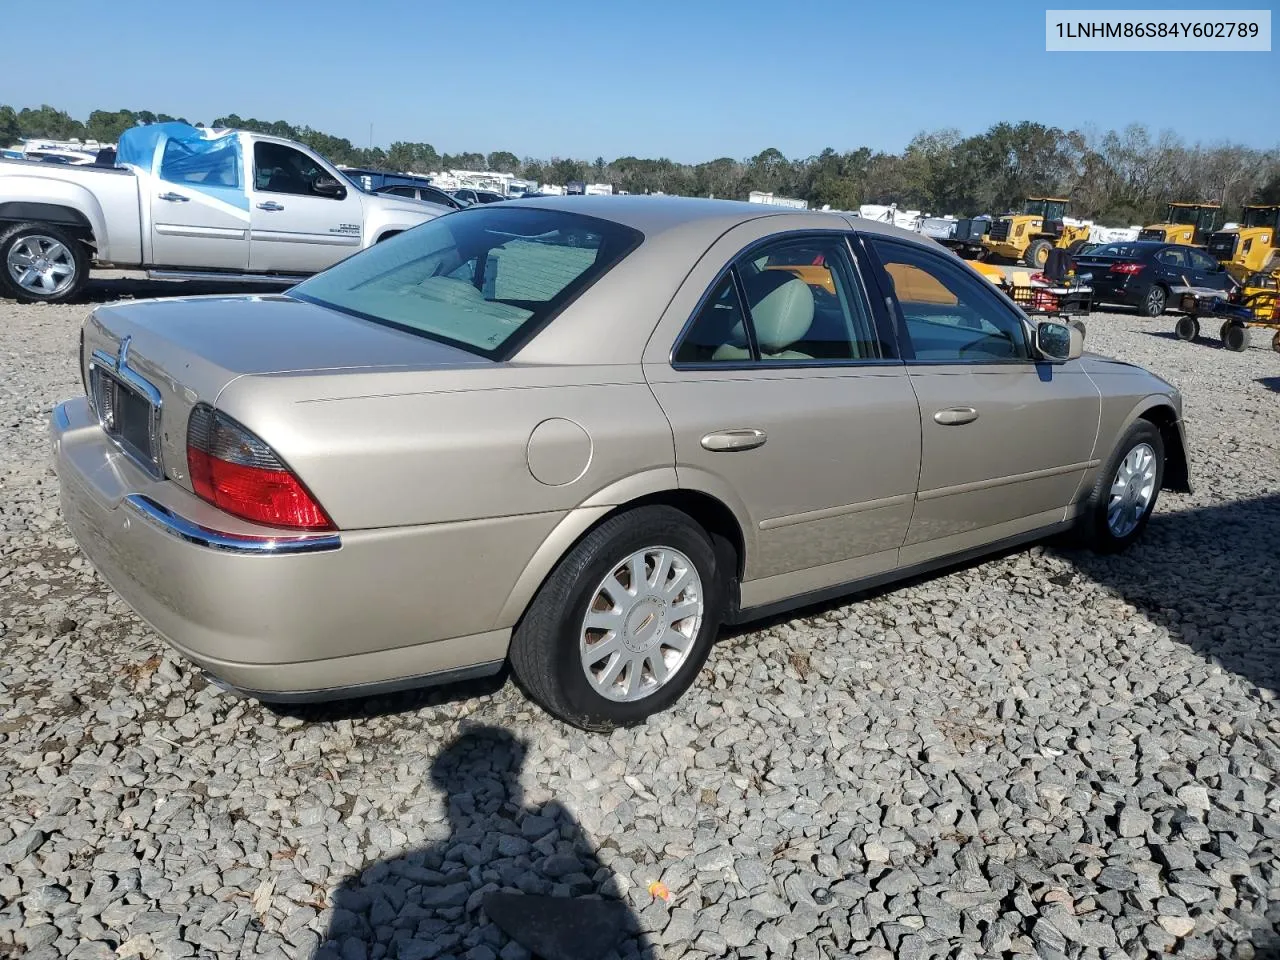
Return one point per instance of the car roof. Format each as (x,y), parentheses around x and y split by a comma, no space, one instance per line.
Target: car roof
(655,215)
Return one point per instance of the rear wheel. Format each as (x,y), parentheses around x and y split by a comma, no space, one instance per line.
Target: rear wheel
(1037,254)
(1235,337)
(1187,328)
(621,627)
(1074,248)
(1275,342)
(41,263)
(1126,490)
(1155,301)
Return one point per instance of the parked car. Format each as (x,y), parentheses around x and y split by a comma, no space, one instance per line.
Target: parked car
(477,196)
(578,436)
(184,203)
(1142,273)
(425,193)
(400,185)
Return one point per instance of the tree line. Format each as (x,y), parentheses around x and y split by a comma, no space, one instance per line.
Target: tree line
(1117,176)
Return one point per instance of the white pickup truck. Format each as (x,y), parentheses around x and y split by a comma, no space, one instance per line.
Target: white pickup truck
(187,203)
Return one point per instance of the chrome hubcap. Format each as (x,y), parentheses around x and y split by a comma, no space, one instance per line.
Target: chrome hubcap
(1132,490)
(41,265)
(641,624)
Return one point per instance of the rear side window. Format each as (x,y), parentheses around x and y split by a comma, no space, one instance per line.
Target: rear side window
(803,303)
(202,163)
(1173,257)
(485,279)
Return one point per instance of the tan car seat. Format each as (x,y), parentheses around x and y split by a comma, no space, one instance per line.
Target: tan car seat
(782,312)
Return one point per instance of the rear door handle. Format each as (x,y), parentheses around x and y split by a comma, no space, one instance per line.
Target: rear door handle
(270,205)
(954,416)
(746,438)
(174,197)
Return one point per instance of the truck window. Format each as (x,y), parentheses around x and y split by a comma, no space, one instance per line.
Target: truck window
(202,163)
(281,169)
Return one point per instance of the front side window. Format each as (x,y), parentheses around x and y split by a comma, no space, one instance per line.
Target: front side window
(282,169)
(802,303)
(1202,262)
(484,280)
(950,315)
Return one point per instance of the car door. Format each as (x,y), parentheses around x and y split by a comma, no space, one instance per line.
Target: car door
(297,225)
(1173,269)
(785,399)
(1005,440)
(1206,271)
(199,206)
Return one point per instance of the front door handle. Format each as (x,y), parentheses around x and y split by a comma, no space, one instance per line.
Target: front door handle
(270,205)
(746,438)
(174,197)
(954,416)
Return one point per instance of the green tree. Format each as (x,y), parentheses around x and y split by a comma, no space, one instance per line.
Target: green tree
(10,128)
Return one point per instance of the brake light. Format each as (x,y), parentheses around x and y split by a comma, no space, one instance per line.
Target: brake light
(1128,269)
(235,471)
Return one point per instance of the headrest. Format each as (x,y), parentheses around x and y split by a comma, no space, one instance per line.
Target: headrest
(781,307)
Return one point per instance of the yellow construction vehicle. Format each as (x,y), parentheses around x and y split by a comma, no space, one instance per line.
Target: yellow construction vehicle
(1244,249)
(1030,235)
(1186,223)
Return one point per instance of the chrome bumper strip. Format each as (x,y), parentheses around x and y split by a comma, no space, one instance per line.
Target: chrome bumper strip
(186,530)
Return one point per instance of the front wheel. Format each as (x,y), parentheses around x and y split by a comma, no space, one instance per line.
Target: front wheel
(1037,254)
(1155,301)
(1235,337)
(1187,328)
(41,263)
(1126,490)
(623,624)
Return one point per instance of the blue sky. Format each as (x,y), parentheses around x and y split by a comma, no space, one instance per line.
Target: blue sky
(690,80)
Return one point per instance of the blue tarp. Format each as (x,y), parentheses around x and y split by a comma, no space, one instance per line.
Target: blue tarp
(192,156)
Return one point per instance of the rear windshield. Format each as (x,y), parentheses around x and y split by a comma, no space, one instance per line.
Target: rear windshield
(484,279)
(1115,250)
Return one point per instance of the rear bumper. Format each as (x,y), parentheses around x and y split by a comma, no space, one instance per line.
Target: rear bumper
(291,617)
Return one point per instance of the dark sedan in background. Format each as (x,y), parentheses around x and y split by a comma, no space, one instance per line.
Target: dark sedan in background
(1141,273)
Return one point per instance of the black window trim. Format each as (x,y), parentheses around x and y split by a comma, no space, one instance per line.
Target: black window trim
(905,347)
(755,363)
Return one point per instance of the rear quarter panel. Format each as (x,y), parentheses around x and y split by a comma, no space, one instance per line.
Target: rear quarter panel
(107,199)
(386,449)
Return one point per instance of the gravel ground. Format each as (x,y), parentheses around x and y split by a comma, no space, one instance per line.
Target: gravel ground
(1049,753)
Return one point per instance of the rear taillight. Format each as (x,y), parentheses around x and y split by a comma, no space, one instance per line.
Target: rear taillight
(236,472)
(1128,269)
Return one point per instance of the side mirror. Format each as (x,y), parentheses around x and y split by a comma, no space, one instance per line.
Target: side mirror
(1059,342)
(329,187)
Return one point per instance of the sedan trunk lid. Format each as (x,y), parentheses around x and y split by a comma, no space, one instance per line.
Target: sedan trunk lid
(183,351)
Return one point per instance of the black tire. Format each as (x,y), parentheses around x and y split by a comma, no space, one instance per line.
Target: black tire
(544,655)
(1037,254)
(1187,328)
(43,234)
(1275,342)
(1154,303)
(1074,248)
(1094,524)
(1235,337)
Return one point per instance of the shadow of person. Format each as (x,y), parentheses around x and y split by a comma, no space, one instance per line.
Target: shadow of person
(508,882)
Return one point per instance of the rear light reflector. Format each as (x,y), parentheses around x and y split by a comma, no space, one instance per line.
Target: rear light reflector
(235,471)
(1128,269)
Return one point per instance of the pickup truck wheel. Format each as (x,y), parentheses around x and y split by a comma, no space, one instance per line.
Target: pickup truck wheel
(40,263)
